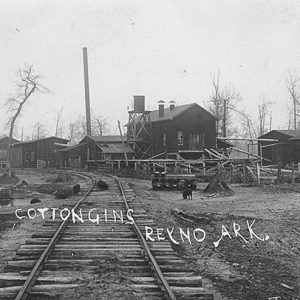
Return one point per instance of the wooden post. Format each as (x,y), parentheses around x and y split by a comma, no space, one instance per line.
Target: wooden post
(135,166)
(279,173)
(293,174)
(119,165)
(258,174)
(260,153)
(248,148)
(125,154)
(244,171)
(88,153)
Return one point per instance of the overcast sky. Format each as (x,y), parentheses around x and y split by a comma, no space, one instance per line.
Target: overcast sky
(165,50)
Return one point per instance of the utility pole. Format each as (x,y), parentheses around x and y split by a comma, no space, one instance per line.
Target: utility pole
(295,118)
(125,154)
(87,92)
(224,117)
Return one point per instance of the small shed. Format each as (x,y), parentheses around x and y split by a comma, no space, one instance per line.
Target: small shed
(284,146)
(101,148)
(29,153)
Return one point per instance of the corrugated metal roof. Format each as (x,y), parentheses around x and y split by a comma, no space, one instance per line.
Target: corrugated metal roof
(114,148)
(176,111)
(106,138)
(69,148)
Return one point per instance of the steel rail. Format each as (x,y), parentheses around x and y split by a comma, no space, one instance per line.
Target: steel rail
(152,260)
(23,293)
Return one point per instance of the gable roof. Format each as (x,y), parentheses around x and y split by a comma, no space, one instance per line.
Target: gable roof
(114,148)
(42,139)
(5,139)
(291,133)
(105,138)
(287,133)
(176,111)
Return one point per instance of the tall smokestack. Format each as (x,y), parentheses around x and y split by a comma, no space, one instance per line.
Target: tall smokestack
(87,92)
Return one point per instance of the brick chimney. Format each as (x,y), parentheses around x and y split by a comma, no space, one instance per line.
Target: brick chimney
(172,104)
(161,108)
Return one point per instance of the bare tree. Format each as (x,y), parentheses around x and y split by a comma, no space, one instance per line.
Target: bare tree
(39,131)
(292,84)
(99,124)
(215,98)
(229,98)
(76,129)
(248,128)
(58,123)
(71,129)
(222,104)
(27,85)
(263,113)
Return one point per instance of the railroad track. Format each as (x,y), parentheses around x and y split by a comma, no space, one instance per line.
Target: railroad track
(108,259)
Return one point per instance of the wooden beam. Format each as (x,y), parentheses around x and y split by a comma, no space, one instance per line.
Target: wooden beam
(212,154)
(248,153)
(248,139)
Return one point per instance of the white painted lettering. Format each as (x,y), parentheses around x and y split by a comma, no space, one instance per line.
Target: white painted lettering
(224,233)
(149,231)
(202,232)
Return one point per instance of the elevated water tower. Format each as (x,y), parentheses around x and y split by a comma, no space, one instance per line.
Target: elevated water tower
(139,132)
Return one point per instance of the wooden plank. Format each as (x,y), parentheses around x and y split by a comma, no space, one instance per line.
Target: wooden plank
(9,292)
(248,153)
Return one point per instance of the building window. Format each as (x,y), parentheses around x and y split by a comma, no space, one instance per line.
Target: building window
(196,141)
(164,139)
(179,138)
(107,156)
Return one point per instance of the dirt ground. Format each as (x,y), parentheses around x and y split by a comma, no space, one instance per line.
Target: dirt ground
(263,266)
(14,232)
(243,268)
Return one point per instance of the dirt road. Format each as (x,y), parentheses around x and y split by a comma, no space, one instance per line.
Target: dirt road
(260,260)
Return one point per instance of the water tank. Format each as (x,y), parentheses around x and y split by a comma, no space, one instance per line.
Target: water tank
(139,103)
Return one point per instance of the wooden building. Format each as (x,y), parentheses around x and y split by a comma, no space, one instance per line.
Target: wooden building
(100,148)
(4,143)
(27,154)
(183,130)
(285,148)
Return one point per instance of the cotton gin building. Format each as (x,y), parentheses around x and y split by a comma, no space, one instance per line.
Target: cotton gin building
(171,130)
(28,153)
